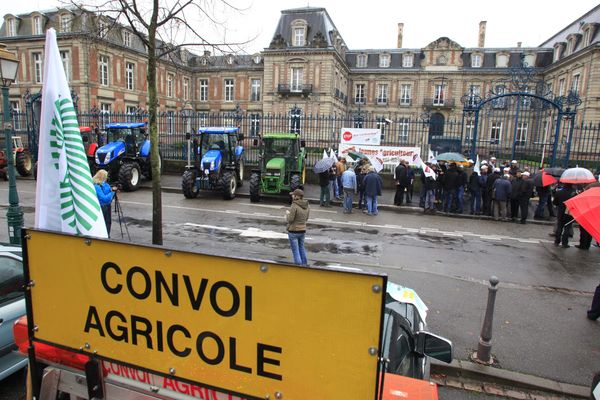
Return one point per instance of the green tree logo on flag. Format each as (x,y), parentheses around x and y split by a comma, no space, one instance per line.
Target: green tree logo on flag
(78,202)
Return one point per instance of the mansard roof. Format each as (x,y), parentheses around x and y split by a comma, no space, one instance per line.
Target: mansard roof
(575,27)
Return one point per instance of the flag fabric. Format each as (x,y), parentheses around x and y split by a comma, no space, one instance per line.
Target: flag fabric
(66,199)
(325,154)
(417,161)
(429,173)
(477,166)
(430,156)
(332,155)
(376,160)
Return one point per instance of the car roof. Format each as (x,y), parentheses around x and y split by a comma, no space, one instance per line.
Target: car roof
(125,125)
(11,250)
(219,129)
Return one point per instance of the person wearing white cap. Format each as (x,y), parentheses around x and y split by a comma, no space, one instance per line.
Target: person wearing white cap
(492,162)
(525,194)
(514,167)
(489,205)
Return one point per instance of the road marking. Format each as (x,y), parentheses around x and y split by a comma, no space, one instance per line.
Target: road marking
(328,221)
(249,232)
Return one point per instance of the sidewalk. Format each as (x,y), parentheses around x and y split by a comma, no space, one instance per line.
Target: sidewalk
(172,184)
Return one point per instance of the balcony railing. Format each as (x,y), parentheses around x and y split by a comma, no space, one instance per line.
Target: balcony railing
(405,102)
(289,90)
(438,103)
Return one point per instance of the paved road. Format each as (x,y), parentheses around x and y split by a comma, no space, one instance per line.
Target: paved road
(540,326)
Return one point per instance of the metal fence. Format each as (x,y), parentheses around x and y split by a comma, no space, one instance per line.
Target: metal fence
(577,144)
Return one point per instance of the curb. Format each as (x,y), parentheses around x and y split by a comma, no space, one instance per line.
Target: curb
(386,207)
(483,373)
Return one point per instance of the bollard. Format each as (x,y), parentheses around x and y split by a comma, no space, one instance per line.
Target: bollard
(484,349)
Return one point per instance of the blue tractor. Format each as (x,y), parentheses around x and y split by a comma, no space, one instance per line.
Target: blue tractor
(126,154)
(215,162)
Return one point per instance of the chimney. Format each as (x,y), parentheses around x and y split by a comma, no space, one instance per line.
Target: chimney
(519,44)
(481,41)
(400,34)
(207,53)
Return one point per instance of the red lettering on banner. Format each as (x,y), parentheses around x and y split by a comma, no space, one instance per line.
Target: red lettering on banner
(182,387)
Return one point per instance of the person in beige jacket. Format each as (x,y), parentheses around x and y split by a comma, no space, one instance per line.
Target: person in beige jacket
(296,218)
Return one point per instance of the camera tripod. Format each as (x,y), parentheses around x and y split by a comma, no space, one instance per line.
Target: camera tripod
(121,218)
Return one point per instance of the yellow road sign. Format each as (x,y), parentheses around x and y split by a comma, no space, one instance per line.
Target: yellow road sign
(248,327)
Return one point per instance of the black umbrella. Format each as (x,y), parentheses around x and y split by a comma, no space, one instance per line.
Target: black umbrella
(556,172)
(323,165)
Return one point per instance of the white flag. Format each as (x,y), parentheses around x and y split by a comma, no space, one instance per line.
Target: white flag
(325,154)
(429,173)
(376,160)
(332,155)
(477,166)
(430,156)
(65,200)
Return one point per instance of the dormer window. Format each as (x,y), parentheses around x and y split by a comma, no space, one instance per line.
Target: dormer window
(65,23)
(572,42)
(502,60)
(299,29)
(257,59)
(298,36)
(204,61)
(530,59)
(588,32)
(361,61)
(37,25)
(229,59)
(126,38)
(407,60)
(384,60)
(476,60)
(558,50)
(102,27)
(11,27)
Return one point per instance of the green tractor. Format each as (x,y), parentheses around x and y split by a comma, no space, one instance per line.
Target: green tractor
(282,165)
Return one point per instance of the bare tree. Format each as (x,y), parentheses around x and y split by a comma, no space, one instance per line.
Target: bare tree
(159,24)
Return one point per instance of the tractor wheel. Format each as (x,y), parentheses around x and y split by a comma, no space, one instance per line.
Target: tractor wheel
(129,176)
(228,184)
(240,173)
(23,163)
(295,182)
(254,188)
(188,184)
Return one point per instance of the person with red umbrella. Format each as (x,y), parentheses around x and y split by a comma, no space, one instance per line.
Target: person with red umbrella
(561,235)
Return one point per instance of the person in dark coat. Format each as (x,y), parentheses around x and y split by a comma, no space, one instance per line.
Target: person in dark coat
(585,239)
(500,194)
(450,184)
(325,196)
(360,172)
(490,190)
(460,189)
(475,193)
(410,180)
(594,311)
(525,194)
(483,177)
(543,193)
(373,185)
(401,178)
(516,184)
(561,235)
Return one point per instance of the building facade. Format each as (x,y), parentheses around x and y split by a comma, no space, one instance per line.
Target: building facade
(308,70)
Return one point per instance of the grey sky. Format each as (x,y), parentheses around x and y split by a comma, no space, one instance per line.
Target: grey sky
(373,24)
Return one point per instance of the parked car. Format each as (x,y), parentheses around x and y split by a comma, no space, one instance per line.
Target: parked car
(12,307)
(406,342)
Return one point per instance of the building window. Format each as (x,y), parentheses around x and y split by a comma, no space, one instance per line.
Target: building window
(255,89)
(407,60)
(476,60)
(296,79)
(495,132)
(14,105)
(170,117)
(384,60)
(11,27)
(575,84)
(299,37)
(501,61)
(500,102)
(521,134)
(186,88)
(64,56)
(474,94)
(359,93)
(203,84)
(403,126)
(438,95)
(131,110)
(257,59)
(228,89)
(359,121)
(170,85)
(380,123)
(104,113)
(103,70)
(37,67)
(295,114)
(254,124)
(126,38)
(130,75)
(526,100)
(65,23)
(102,27)
(561,87)
(361,61)
(469,129)
(37,25)
(382,93)
(405,94)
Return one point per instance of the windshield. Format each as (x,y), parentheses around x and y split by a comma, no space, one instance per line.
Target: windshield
(278,147)
(214,141)
(11,279)
(114,135)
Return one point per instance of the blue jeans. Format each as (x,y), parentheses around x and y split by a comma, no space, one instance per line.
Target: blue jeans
(334,187)
(297,246)
(449,197)
(340,188)
(475,202)
(348,200)
(372,205)
(460,199)
(429,202)
(539,211)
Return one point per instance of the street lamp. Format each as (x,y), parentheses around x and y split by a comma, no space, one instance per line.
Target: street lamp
(14,216)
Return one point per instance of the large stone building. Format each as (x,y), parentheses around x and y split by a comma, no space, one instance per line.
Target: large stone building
(307,69)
